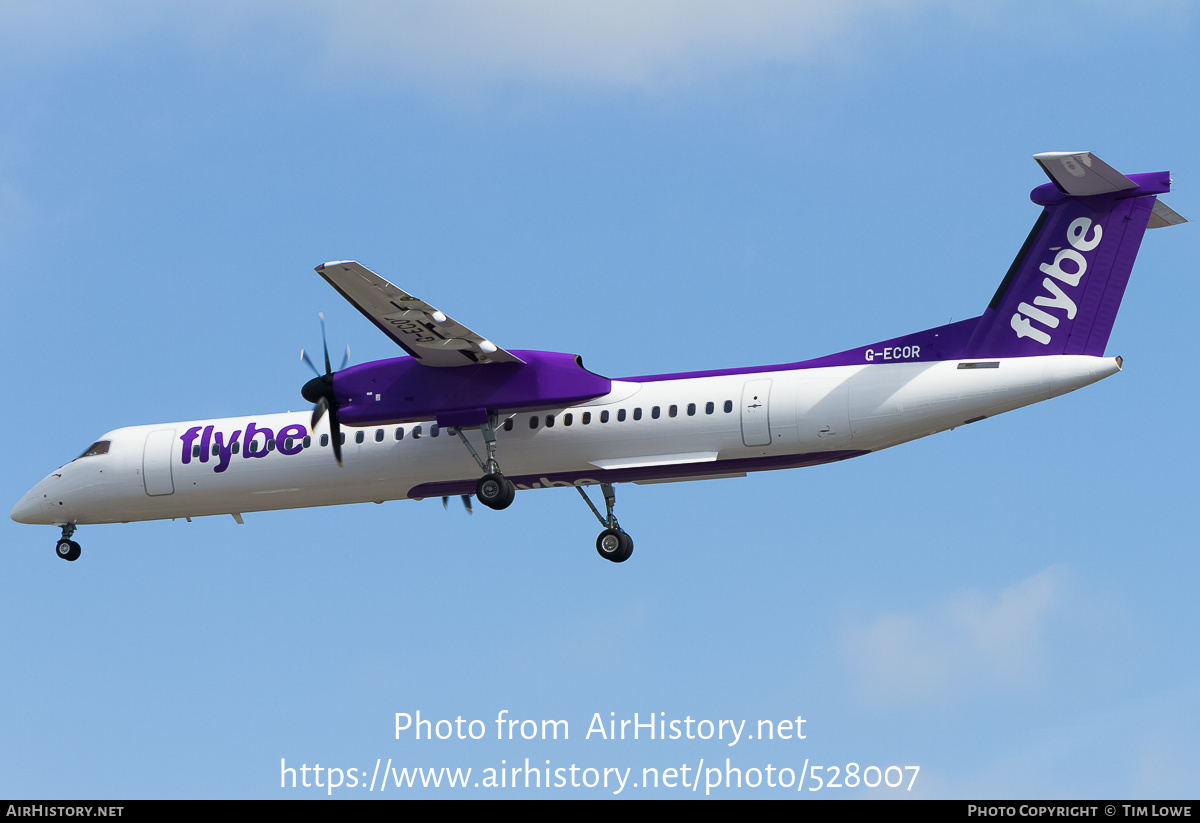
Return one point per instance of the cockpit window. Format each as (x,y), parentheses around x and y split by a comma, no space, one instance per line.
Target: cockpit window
(99,447)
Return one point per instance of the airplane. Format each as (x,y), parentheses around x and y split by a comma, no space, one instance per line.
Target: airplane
(413,427)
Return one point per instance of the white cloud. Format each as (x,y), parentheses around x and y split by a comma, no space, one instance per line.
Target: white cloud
(619,42)
(623,43)
(642,44)
(971,638)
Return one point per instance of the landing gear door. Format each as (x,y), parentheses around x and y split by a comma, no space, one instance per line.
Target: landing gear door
(756,424)
(156,462)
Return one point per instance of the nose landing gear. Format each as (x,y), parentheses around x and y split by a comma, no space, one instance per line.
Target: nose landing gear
(66,548)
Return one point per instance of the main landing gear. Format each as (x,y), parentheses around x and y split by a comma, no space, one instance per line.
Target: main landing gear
(613,543)
(494,490)
(66,548)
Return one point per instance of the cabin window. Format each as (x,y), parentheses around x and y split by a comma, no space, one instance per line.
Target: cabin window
(288,442)
(656,412)
(379,435)
(709,408)
(271,445)
(587,418)
(399,432)
(673,411)
(604,416)
(691,409)
(567,418)
(341,439)
(416,432)
(307,441)
(434,430)
(533,421)
(358,437)
(195,451)
(324,441)
(549,421)
(236,447)
(216,450)
(99,447)
(728,406)
(637,413)
(508,425)
(621,415)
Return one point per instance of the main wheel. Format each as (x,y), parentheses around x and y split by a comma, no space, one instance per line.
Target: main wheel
(68,550)
(614,545)
(495,491)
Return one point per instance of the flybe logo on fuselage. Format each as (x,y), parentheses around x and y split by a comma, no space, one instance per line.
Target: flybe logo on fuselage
(258,442)
(1032,321)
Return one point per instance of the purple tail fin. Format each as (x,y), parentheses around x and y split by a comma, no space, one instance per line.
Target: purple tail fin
(1062,292)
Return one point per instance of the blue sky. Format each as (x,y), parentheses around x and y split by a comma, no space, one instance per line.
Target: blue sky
(680,186)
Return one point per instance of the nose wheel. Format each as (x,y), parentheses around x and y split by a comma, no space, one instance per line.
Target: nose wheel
(66,548)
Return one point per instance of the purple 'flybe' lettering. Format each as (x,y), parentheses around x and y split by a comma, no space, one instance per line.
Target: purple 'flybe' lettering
(225,450)
(296,432)
(254,439)
(252,448)
(188,437)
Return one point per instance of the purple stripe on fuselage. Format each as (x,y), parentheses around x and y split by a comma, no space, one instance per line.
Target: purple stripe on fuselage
(720,467)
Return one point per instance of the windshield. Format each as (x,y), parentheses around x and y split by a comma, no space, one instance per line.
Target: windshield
(99,447)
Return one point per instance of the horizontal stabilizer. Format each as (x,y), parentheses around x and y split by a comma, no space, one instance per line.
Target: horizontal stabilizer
(1164,215)
(1081,173)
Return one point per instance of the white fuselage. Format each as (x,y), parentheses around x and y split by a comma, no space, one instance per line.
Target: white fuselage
(723,425)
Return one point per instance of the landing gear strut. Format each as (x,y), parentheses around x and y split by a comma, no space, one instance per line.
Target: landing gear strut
(613,543)
(66,548)
(494,490)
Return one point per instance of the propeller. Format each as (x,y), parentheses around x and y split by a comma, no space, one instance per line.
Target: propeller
(319,391)
(466,499)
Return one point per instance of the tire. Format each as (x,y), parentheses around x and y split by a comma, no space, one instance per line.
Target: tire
(614,545)
(495,491)
(68,550)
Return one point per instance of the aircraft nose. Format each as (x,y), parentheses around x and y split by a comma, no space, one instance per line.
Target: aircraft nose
(29,509)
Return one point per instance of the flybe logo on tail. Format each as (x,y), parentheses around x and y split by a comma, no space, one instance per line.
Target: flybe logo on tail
(1069,267)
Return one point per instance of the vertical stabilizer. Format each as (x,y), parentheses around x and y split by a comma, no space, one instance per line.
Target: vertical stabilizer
(1062,292)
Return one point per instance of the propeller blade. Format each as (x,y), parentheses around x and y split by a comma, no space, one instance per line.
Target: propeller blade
(324,345)
(346,359)
(466,499)
(318,410)
(335,434)
(304,357)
